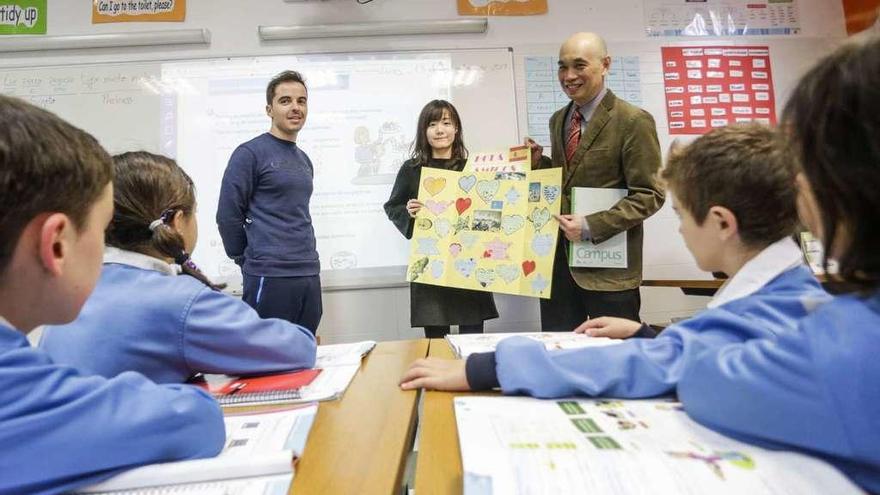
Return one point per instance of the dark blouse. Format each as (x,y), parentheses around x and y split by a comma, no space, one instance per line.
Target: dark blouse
(432,304)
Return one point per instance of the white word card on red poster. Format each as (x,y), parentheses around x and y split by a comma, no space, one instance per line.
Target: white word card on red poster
(714,86)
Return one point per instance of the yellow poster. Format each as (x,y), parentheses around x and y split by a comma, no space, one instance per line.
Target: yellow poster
(502,7)
(138,11)
(489,227)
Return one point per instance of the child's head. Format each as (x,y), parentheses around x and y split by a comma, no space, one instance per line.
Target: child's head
(734,190)
(439,126)
(55,181)
(833,120)
(155,206)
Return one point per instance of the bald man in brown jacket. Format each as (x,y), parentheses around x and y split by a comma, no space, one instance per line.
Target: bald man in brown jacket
(599,140)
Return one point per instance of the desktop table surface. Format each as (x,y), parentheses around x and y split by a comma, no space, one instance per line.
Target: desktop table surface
(438,466)
(359,443)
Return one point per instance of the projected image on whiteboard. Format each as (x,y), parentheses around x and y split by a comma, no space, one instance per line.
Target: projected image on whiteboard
(362,113)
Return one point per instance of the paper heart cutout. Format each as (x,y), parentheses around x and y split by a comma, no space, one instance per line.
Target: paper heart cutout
(486,189)
(465,267)
(508,273)
(427,246)
(442,227)
(512,196)
(539,218)
(454,249)
(468,239)
(512,223)
(539,283)
(551,193)
(462,204)
(436,269)
(434,185)
(467,182)
(528,266)
(542,244)
(437,207)
(485,276)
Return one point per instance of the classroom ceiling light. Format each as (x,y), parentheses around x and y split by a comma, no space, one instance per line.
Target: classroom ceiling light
(29,43)
(376,28)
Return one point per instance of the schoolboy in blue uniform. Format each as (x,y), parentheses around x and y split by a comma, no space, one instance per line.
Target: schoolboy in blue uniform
(142,317)
(61,429)
(732,190)
(263,212)
(817,390)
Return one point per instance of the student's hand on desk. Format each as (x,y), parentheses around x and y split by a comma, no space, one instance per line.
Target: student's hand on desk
(413,206)
(537,151)
(570,225)
(609,326)
(436,374)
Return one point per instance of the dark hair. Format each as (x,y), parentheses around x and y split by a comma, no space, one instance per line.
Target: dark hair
(46,165)
(432,112)
(745,168)
(833,120)
(150,188)
(282,77)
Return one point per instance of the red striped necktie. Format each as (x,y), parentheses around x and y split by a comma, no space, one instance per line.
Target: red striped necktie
(574,135)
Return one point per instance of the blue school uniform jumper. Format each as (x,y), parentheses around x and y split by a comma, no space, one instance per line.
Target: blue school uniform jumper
(764,300)
(143,317)
(264,221)
(815,390)
(61,429)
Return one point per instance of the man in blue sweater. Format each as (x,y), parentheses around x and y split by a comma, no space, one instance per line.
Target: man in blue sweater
(263,213)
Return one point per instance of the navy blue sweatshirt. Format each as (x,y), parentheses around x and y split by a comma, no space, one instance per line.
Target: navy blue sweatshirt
(263,213)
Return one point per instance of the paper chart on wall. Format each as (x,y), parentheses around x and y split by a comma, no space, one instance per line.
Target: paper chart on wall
(489,227)
(721,17)
(714,86)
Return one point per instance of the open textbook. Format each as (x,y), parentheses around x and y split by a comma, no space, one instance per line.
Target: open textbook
(515,445)
(338,364)
(463,345)
(257,459)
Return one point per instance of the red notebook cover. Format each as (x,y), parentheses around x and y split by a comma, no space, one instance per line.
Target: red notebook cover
(268,383)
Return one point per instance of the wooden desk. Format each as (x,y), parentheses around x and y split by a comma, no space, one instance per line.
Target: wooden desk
(438,468)
(685,283)
(359,443)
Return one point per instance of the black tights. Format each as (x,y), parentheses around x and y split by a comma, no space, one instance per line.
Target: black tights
(440,331)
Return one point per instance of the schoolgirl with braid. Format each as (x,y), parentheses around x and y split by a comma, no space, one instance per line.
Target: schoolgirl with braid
(145,317)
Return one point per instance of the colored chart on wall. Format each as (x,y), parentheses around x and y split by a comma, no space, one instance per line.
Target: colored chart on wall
(544,94)
(721,17)
(714,86)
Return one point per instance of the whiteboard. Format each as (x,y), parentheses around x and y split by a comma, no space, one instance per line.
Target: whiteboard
(363,109)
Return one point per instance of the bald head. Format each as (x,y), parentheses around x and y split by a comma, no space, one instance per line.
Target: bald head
(583,64)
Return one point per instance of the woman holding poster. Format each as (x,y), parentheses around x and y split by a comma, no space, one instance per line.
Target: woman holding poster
(439,143)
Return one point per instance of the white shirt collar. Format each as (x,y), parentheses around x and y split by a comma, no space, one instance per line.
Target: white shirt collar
(138,260)
(4,322)
(775,259)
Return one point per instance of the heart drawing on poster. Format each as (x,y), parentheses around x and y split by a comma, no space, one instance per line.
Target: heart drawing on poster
(455,249)
(465,267)
(539,218)
(434,185)
(539,283)
(551,193)
(442,227)
(437,207)
(528,266)
(467,182)
(485,276)
(512,223)
(468,239)
(508,273)
(542,244)
(462,204)
(436,269)
(512,196)
(487,189)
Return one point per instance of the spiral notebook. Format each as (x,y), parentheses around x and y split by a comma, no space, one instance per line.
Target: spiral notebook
(279,387)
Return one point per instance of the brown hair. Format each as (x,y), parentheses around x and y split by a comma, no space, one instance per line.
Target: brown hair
(745,168)
(833,120)
(148,188)
(283,77)
(432,112)
(46,165)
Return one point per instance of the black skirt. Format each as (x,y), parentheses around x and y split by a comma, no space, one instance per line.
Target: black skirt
(432,305)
